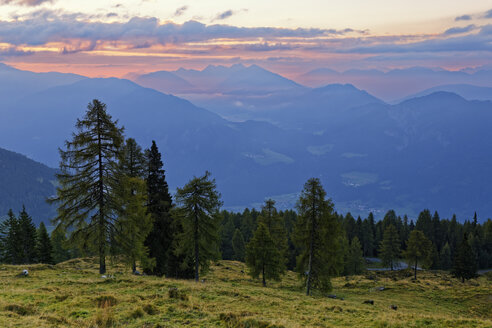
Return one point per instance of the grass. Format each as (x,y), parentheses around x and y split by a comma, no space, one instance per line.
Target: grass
(73,294)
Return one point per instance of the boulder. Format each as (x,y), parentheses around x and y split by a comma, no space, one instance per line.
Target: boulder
(393,307)
(368,302)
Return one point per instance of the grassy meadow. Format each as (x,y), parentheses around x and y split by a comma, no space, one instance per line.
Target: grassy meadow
(73,294)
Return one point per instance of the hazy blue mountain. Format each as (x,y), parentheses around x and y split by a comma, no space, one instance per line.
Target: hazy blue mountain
(467,91)
(430,151)
(166,82)
(24,181)
(16,83)
(397,83)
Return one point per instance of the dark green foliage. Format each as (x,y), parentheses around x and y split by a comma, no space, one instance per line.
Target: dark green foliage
(238,245)
(263,257)
(198,211)
(60,245)
(11,240)
(389,249)
(316,234)
(88,167)
(27,237)
(355,263)
(445,258)
(44,248)
(465,266)
(227,233)
(134,222)
(160,239)
(419,249)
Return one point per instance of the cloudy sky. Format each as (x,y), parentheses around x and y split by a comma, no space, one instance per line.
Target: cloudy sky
(114,38)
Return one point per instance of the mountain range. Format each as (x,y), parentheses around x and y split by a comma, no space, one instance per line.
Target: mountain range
(429,151)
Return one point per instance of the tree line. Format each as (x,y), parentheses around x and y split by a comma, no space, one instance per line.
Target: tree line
(113,200)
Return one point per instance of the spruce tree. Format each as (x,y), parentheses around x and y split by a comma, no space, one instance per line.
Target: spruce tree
(159,204)
(134,222)
(315,234)
(276,228)
(445,257)
(465,266)
(418,250)
(238,245)
(10,238)
(88,167)
(60,246)
(389,249)
(263,257)
(355,261)
(227,233)
(199,203)
(44,248)
(27,238)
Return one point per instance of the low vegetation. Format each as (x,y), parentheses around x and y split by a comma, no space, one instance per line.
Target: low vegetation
(73,294)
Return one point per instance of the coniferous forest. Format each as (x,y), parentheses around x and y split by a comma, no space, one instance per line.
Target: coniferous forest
(113,201)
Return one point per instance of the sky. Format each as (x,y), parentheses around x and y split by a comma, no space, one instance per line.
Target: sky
(120,37)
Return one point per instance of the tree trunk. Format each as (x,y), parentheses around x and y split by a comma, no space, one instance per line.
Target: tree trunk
(197,258)
(311,249)
(263,275)
(102,235)
(134,267)
(415,270)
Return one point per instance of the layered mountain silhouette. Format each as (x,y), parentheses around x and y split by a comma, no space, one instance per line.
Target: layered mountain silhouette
(425,152)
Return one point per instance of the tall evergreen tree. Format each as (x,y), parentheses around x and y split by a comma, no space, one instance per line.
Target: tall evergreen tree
(389,250)
(445,257)
(418,249)
(44,248)
(199,203)
(238,245)
(263,256)
(276,228)
(160,239)
(355,261)
(11,240)
(27,237)
(227,233)
(134,222)
(465,266)
(316,235)
(60,246)
(87,179)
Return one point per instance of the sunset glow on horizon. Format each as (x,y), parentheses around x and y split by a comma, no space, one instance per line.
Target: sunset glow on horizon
(117,38)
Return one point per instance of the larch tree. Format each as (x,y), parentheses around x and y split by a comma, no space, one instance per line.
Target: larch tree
(198,210)
(263,257)
(389,249)
(159,203)
(418,250)
(316,234)
(43,246)
(85,197)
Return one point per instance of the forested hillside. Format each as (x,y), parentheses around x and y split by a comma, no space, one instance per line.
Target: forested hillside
(24,181)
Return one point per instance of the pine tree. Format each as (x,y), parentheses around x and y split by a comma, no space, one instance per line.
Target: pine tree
(367,238)
(238,246)
(44,248)
(445,257)
(87,179)
(27,237)
(355,261)
(418,249)
(316,235)
(199,203)
(465,266)
(59,244)
(389,249)
(227,233)
(160,239)
(263,256)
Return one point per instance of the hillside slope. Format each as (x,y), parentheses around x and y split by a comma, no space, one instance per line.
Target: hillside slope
(73,294)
